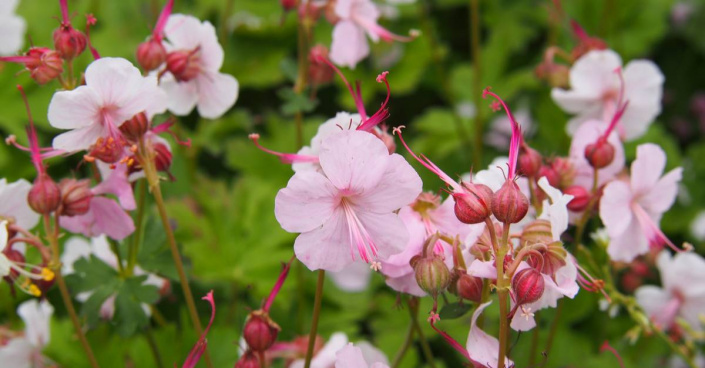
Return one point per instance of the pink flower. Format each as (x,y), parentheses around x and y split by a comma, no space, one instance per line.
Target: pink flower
(348,208)
(12,28)
(357,18)
(26,351)
(14,206)
(631,211)
(352,356)
(114,92)
(326,357)
(588,133)
(194,60)
(682,294)
(597,86)
(482,348)
(352,278)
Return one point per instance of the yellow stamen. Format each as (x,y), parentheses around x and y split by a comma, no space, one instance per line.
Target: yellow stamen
(47,274)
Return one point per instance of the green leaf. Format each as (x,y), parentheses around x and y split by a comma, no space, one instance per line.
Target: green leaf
(129,315)
(455,310)
(295,102)
(154,254)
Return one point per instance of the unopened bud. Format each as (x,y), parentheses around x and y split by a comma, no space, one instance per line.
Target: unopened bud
(162,157)
(44,64)
(69,42)
(599,154)
(528,286)
(565,171)
(553,257)
(248,360)
(330,13)
(581,198)
(530,161)
(474,204)
(469,288)
(260,331)
(432,274)
(288,4)
(550,174)
(318,71)
(183,65)
(509,204)
(45,196)
(76,197)
(151,54)
(136,127)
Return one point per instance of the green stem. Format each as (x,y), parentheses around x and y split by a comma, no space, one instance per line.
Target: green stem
(114,248)
(153,347)
(425,347)
(53,237)
(133,250)
(534,346)
(552,332)
(502,293)
(405,346)
(316,313)
(477,78)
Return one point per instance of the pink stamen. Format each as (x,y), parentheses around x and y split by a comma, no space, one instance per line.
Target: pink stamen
(516,139)
(430,230)
(358,235)
(651,230)
(165,127)
(428,164)
(452,342)
(356,96)
(382,114)
(64,12)
(589,283)
(158,32)
(32,137)
(91,21)
(383,33)
(195,355)
(287,158)
(606,347)
(278,285)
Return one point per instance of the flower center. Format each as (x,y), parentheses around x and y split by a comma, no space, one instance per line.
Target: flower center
(359,237)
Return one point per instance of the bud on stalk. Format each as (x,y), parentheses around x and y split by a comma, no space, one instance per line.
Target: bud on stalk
(136,127)
(469,288)
(474,204)
(509,204)
(432,274)
(530,161)
(76,197)
(45,196)
(151,54)
(528,286)
(581,198)
(69,42)
(183,65)
(599,154)
(260,331)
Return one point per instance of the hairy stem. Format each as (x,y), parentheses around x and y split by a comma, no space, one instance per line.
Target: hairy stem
(316,313)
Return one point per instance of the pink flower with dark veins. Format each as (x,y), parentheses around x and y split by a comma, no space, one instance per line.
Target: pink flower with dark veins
(632,210)
(346,212)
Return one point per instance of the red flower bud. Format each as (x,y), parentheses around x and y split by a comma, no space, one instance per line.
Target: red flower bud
(509,204)
(163,157)
(68,41)
(530,161)
(432,274)
(260,331)
(45,196)
(474,205)
(552,258)
(550,174)
(76,197)
(44,64)
(581,198)
(599,154)
(248,360)
(151,54)
(469,288)
(318,71)
(183,65)
(288,4)
(565,171)
(528,286)
(136,127)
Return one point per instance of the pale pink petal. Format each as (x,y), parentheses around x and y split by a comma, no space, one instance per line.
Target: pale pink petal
(341,121)
(373,356)
(629,244)
(327,247)
(13,203)
(115,182)
(615,208)
(306,203)
(398,265)
(354,161)
(483,348)
(405,284)
(12,30)
(344,8)
(17,353)
(350,357)
(217,93)
(590,77)
(182,32)
(325,358)
(647,168)
(111,219)
(349,44)
(36,316)
(682,266)
(212,54)
(182,96)
(643,83)
(575,102)
(386,230)
(353,278)
(522,323)
(101,249)
(75,248)
(663,194)
(556,211)
(74,109)
(79,139)
(398,187)
(121,87)
(653,300)
(693,311)
(483,269)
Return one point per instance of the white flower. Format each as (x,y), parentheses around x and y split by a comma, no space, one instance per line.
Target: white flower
(13,203)
(12,28)
(26,351)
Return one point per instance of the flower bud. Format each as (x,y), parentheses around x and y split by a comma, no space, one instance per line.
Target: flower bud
(288,5)
(509,204)
(553,257)
(469,288)
(136,127)
(432,274)
(69,42)
(536,232)
(163,157)
(550,175)
(45,196)
(318,71)
(260,331)
(530,161)
(183,65)
(528,285)
(44,64)
(474,205)
(248,360)
(599,154)
(581,198)
(151,54)
(564,170)
(76,197)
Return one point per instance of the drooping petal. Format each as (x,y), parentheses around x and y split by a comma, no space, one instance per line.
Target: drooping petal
(36,316)
(115,182)
(217,93)
(74,109)
(643,87)
(629,244)
(483,348)
(647,168)
(349,44)
(663,194)
(306,203)
(398,187)
(354,161)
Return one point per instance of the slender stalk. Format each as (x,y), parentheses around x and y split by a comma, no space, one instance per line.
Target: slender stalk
(552,332)
(534,346)
(133,250)
(405,346)
(302,75)
(502,292)
(114,248)
(262,359)
(477,78)
(316,313)
(153,347)
(425,348)
(53,237)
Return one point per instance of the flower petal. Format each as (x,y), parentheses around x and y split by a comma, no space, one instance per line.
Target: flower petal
(13,203)
(398,187)
(483,348)
(615,210)
(217,93)
(386,230)
(36,316)
(111,219)
(75,248)
(79,139)
(643,88)
(662,195)
(307,202)
(354,161)
(74,109)
(629,244)
(353,278)
(349,44)
(647,168)
(182,96)
(326,247)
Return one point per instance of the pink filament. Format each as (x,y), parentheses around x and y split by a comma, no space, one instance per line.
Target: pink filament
(359,237)
(195,355)
(516,139)
(287,158)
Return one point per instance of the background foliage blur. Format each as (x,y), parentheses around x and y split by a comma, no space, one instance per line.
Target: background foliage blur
(222,200)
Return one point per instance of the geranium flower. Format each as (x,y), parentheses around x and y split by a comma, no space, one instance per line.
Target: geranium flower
(346,212)
(14,206)
(682,291)
(363,355)
(326,357)
(25,351)
(631,210)
(12,28)
(194,60)
(114,92)
(597,86)
(588,133)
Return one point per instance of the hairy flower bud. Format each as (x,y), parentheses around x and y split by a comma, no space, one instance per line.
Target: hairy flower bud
(530,161)
(581,198)
(136,127)
(76,197)
(69,42)
(260,331)
(565,171)
(432,274)
(599,154)
(509,204)
(528,286)
(469,288)
(163,157)
(151,54)
(474,205)
(45,196)
(183,65)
